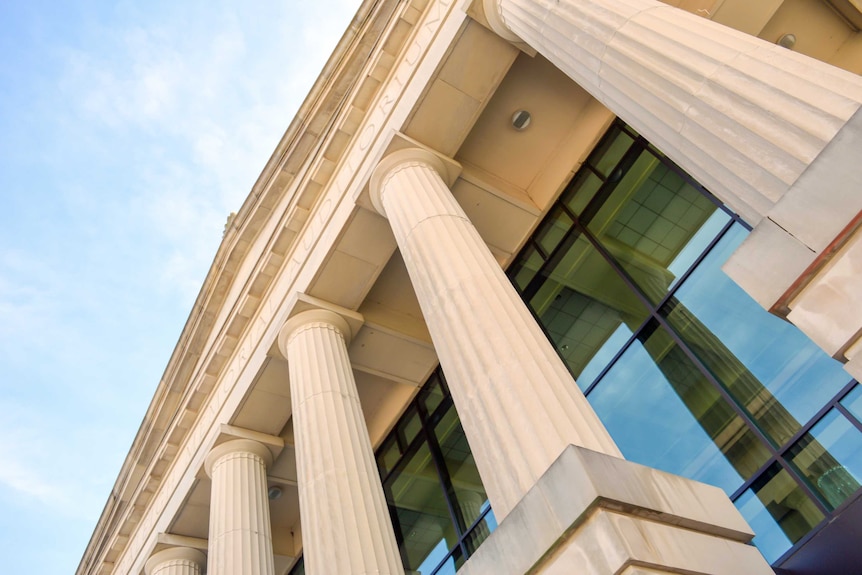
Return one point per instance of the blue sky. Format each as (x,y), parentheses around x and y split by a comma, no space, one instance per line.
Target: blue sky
(129,130)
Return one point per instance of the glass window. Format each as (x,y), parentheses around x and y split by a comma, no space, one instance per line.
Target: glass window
(423,525)
(482,529)
(610,151)
(688,373)
(398,441)
(552,230)
(581,191)
(771,368)
(830,457)
(299,568)
(586,308)
(663,412)
(433,393)
(468,493)
(853,402)
(526,267)
(452,563)
(388,455)
(655,224)
(778,510)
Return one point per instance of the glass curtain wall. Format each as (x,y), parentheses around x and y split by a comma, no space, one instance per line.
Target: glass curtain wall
(687,372)
(437,502)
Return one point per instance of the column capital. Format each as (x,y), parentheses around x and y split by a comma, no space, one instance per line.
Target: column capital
(175,554)
(392,162)
(494,16)
(236,446)
(312,316)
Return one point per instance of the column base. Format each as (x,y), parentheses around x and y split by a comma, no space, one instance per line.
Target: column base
(607,516)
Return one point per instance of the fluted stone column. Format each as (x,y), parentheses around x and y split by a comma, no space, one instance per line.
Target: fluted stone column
(346,526)
(176,561)
(518,404)
(743,116)
(240,533)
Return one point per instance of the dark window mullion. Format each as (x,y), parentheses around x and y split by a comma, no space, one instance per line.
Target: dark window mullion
(776,452)
(609,185)
(698,260)
(802,481)
(477,522)
(734,404)
(815,419)
(553,259)
(443,475)
(602,194)
(746,418)
(409,452)
(616,356)
(627,279)
(746,485)
(849,415)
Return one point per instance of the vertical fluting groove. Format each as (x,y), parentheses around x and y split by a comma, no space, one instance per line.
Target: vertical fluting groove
(240,531)
(519,406)
(345,521)
(743,116)
(177,566)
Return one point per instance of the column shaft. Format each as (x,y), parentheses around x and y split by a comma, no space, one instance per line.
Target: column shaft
(741,115)
(518,404)
(345,521)
(240,533)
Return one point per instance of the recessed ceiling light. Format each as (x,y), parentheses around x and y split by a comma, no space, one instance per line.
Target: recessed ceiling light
(521,119)
(787,41)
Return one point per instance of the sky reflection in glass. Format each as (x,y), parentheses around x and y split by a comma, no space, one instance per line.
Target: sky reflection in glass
(663,413)
(788,364)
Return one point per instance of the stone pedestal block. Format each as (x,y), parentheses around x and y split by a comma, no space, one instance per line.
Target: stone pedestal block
(600,515)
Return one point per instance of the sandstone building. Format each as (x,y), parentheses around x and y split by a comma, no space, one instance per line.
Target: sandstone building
(619,237)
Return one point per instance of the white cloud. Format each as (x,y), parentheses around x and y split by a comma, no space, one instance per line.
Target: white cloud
(15,474)
(43,476)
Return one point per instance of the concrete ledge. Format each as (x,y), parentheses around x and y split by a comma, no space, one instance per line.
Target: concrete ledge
(609,543)
(562,511)
(768,262)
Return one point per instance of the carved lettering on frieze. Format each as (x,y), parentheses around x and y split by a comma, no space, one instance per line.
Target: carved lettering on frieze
(367,137)
(386,102)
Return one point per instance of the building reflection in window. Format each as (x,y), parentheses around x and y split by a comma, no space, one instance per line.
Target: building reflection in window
(687,372)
